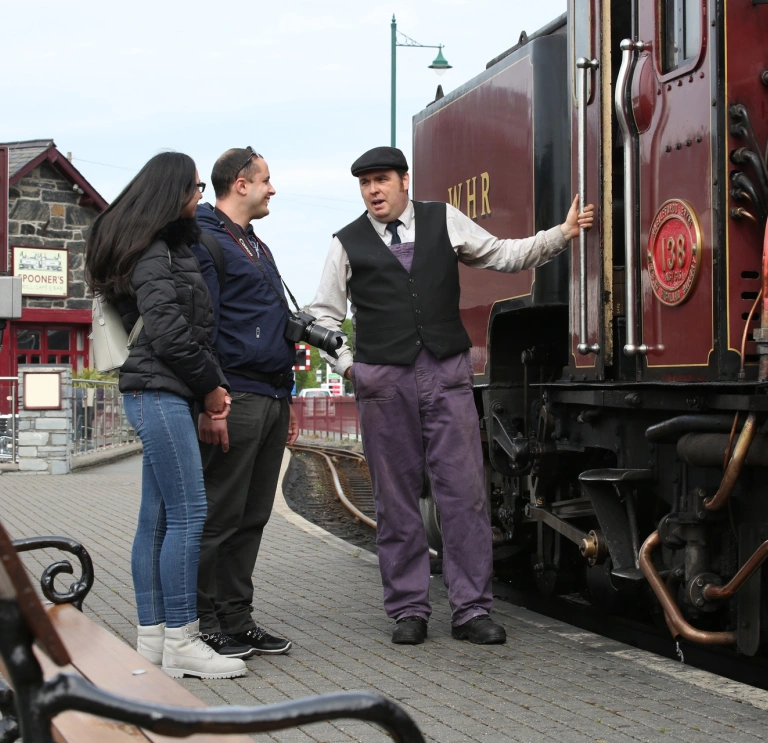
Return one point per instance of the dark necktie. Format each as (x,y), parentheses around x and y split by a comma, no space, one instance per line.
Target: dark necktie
(392,229)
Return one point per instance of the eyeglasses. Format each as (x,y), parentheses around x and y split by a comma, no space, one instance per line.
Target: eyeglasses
(251,153)
(201,186)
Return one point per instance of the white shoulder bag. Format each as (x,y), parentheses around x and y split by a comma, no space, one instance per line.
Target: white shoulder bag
(111,344)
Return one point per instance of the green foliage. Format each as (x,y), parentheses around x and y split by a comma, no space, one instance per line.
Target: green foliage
(308,379)
(94,376)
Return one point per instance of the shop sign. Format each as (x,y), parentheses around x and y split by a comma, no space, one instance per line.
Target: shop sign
(43,271)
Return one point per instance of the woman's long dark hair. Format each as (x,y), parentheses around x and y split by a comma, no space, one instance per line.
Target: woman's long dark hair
(149,207)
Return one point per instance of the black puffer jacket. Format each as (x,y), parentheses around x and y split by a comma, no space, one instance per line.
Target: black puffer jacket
(174,351)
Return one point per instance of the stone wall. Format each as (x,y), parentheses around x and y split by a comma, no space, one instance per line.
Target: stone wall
(44,212)
(45,436)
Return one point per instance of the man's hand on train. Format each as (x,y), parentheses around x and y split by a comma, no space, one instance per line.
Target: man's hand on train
(213,431)
(576,220)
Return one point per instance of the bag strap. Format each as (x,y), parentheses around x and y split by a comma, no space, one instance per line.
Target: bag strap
(238,235)
(98,306)
(133,336)
(213,246)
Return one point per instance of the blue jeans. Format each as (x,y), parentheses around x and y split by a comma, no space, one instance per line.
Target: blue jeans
(166,548)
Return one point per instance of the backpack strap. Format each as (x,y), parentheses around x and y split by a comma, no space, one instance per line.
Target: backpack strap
(213,246)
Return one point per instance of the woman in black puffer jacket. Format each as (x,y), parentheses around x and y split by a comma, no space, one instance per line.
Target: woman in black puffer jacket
(137,257)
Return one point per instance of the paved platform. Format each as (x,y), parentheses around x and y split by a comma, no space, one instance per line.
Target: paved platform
(550,682)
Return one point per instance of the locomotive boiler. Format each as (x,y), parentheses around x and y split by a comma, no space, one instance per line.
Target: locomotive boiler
(621,388)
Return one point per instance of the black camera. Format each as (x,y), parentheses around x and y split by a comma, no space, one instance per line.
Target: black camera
(302,327)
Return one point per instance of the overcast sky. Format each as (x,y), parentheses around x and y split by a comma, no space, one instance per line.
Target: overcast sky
(306,83)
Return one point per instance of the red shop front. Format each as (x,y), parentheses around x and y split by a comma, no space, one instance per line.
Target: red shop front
(43,336)
(44,223)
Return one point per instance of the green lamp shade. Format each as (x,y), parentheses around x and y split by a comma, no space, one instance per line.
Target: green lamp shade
(440,65)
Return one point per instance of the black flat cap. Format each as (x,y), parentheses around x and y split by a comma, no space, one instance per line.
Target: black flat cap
(380,158)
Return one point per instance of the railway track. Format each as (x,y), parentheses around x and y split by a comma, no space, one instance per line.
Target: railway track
(350,478)
(351,482)
(346,477)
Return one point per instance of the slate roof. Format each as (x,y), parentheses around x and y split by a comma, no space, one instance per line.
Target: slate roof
(25,155)
(20,153)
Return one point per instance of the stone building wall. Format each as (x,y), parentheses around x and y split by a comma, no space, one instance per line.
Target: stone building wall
(44,212)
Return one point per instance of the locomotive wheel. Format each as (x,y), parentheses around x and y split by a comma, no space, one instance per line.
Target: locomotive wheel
(614,595)
(602,592)
(552,571)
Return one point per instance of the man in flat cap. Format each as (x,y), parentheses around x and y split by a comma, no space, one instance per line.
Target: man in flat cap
(413,383)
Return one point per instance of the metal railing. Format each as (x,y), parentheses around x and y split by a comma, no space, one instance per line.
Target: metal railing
(98,418)
(9,422)
(328,417)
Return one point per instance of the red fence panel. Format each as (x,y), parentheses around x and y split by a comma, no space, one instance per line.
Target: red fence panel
(327,417)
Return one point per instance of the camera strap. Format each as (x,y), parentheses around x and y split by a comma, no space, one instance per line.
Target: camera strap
(238,235)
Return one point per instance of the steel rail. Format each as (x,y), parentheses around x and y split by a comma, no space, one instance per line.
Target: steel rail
(346,502)
(351,507)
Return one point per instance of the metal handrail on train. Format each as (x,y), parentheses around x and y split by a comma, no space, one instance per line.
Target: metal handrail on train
(629,48)
(584,65)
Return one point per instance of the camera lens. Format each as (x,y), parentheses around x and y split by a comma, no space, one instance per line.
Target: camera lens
(320,337)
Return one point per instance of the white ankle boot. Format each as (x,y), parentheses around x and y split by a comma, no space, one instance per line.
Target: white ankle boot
(150,642)
(185,653)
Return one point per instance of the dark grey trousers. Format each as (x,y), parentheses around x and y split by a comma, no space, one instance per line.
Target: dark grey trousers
(240,490)
(418,416)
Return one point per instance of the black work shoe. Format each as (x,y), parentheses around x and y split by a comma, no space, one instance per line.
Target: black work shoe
(409,631)
(262,642)
(227,646)
(481,630)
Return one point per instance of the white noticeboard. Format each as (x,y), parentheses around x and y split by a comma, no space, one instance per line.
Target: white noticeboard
(42,391)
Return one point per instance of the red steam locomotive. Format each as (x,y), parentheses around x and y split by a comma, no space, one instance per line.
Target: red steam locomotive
(621,387)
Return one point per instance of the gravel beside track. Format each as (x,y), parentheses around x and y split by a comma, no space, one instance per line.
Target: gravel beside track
(306,488)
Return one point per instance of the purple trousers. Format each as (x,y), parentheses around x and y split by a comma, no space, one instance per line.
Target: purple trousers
(416,417)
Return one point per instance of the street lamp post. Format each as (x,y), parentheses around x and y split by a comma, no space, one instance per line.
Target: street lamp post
(440,65)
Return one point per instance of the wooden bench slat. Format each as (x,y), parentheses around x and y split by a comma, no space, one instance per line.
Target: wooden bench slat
(108,663)
(78,726)
(84,728)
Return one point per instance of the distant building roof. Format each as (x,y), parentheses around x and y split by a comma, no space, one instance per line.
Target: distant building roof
(20,153)
(26,155)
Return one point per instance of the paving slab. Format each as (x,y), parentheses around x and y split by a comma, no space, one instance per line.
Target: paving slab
(550,682)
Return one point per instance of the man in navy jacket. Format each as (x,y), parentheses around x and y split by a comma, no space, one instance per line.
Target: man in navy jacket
(242,457)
